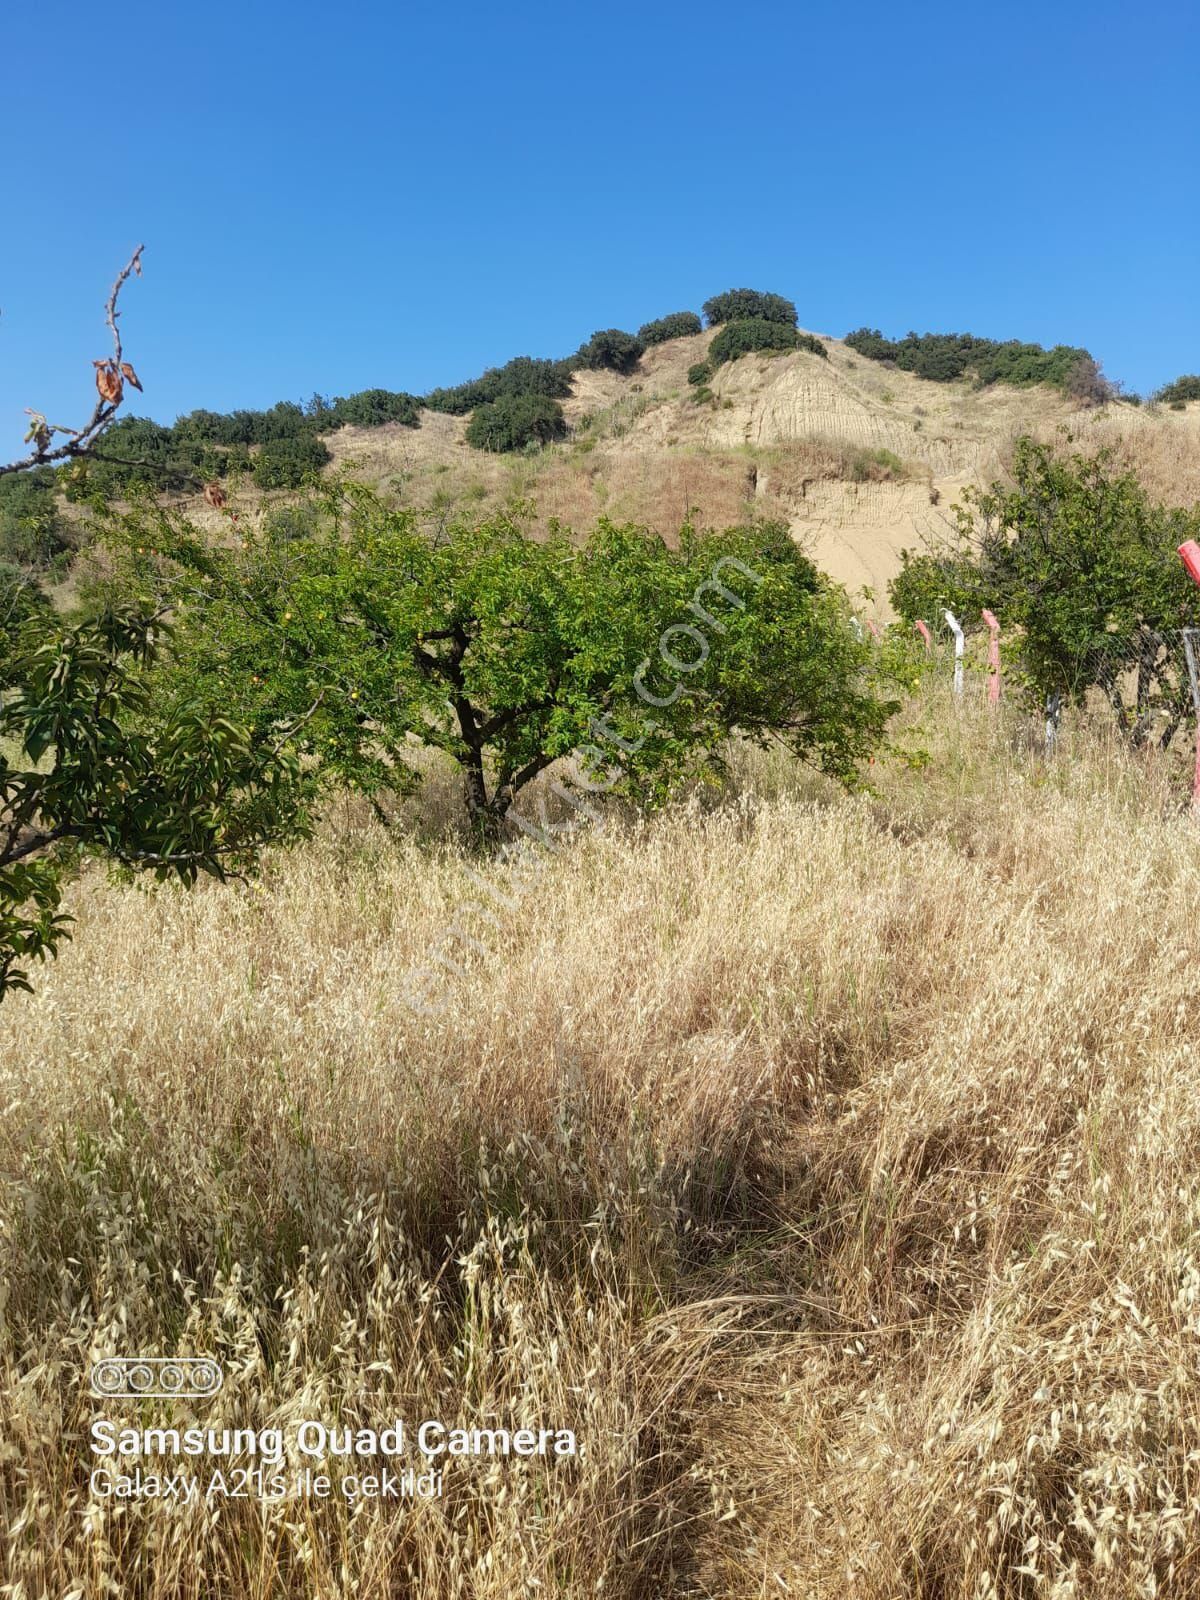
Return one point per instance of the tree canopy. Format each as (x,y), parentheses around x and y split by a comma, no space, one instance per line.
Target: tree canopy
(92,762)
(507,653)
(736,305)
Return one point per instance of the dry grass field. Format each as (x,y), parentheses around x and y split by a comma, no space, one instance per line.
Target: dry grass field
(827,1164)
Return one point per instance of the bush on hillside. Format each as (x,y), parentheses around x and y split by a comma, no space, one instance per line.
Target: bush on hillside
(945,357)
(738,305)
(522,375)
(1183,389)
(32,529)
(370,408)
(138,453)
(287,463)
(700,372)
(757,333)
(613,349)
(515,420)
(1086,383)
(676,325)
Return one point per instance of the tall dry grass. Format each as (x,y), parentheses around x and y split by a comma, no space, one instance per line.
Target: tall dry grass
(827,1164)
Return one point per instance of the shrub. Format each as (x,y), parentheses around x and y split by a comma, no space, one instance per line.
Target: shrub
(287,463)
(1182,390)
(32,529)
(738,305)
(944,357)
(613,349)
(928,585)
(522,375)
(873,466)
(700,372)
(370,408)
(138,452)
(1086,383)
(678,325)
(515,420)
(757,333)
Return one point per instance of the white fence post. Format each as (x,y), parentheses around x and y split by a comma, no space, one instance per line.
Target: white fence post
(955,627)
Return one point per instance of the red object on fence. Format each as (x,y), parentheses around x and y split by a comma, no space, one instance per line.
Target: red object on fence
(1189,554)
(923,630)
(993,655)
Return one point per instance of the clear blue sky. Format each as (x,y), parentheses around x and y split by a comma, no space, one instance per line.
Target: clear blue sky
(335,197)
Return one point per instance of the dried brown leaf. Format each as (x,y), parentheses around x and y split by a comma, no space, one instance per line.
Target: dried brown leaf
(109,382)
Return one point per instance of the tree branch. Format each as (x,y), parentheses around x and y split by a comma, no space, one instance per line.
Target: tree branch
(81,440)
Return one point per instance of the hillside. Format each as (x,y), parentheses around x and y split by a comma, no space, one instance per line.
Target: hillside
(862,446)
(788,436)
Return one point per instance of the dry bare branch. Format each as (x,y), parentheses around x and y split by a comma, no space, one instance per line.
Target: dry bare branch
(111,376)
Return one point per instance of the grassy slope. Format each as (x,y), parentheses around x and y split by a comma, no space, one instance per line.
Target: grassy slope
(826,1163)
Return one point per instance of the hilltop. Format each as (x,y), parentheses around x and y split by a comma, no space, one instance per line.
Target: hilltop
(861,460)
(862,445)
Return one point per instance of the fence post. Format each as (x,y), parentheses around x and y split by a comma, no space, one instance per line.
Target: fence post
(993,655)
(955,627)
(1189,554)
(1053,712)
(923,630)
(1189,650)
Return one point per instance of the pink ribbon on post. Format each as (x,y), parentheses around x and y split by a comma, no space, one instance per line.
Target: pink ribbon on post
(923,630)
(993,655)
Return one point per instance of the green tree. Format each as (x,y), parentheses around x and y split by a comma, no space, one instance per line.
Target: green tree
(1077,559)
(945,357)
(611,348)
(33,531)
(736,305)
(288,462)
(522,375)
(758,333)
(676,325)
(929,584)
(514,421)
(507,653)
(1182,390)
(370,408)
(94,763)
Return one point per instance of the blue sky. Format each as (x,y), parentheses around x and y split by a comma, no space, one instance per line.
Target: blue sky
(336,197)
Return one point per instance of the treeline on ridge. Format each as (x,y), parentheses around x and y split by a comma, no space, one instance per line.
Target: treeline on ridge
(945,357)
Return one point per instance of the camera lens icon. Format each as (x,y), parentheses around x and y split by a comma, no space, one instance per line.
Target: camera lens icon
(156,1377)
